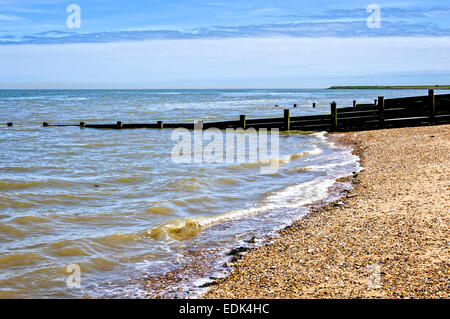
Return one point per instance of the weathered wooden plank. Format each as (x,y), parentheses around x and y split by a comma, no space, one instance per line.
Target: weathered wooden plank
(358,113)
(407,99)
(242,121)
(103,126)
(334,115)
(189,126)
(222,125)
(381,110)
(308,117)
(442,110)
(402,113)
(443,103)
(365,106)
(418,119)
(60,125)
(362,118)
(432,105)
(345,109)
(286,120)
(442,118)
(265,120)
(320,126)
(279,126)
(141,125)
(313,122)
(406,102)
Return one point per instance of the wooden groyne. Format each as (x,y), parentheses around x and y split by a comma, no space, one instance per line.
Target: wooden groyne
(383,113)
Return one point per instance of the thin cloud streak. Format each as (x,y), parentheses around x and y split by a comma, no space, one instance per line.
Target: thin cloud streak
(306,29)
(396,21)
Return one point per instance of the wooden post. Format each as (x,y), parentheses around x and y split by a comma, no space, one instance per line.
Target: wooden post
(9,124)
(198,125)
(354,103)
(242,121)
(119,124)
(432,102)
(287,120)
(160,124)
(44,124)
(314,104)
(334,117)
(375,102)
(82,124)
(381,110)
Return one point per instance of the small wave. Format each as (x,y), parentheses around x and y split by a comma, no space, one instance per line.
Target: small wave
(22,259)
(189,184)
(26,220)
(179,202)
(6,202)
(299,169)
(280,161)
(9,185)
(93,145)
(301,194)
(25,97)
(167,93)
(92,265)
(316,151)
(201,199)
(288,198)
(160,210)
(242,166)
(103,218)
(258,164)
(128,180)
(62,199)
(179,229)
(331,165)
(10,230)
(182,229)
(118,240)
(320,135)
(72,251)
(4,185)
(75,99)
(18,169)
(226,181)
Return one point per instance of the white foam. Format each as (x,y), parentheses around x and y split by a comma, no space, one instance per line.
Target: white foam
(291,197)
(330,165)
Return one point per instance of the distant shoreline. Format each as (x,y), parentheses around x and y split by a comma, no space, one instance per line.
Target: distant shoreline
(396,87)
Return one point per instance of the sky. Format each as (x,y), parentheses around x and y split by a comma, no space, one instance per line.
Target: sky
(222,44)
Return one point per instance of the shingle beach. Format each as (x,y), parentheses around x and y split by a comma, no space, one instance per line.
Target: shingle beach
(388,238)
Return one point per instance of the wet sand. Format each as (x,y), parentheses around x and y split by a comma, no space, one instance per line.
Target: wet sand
(388,238)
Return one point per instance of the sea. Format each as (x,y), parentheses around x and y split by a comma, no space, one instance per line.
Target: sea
(92,213)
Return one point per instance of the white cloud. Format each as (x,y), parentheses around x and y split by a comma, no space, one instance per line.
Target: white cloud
(5,17)
(275,62)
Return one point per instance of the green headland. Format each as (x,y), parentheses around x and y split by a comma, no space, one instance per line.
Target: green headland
(394,87)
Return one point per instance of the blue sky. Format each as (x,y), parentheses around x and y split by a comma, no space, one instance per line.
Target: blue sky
(34,34)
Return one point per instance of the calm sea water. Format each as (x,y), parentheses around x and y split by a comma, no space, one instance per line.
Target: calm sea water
(113,201)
